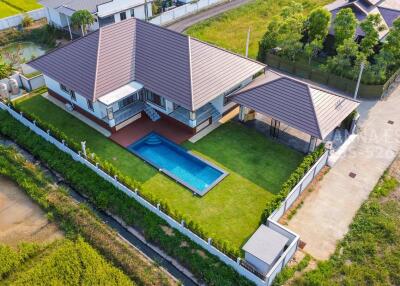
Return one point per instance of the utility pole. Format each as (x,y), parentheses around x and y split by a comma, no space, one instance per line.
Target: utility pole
(247,43)
(359,79)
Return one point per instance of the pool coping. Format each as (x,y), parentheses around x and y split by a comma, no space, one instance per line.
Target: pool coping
(174,177)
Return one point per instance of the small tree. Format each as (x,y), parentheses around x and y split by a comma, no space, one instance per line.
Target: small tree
(371,27)
(343,62)
(313,48)
(27,20)
(318,24)
(345,25)
(82,18)
(270,38)
(391,47)
(5,68)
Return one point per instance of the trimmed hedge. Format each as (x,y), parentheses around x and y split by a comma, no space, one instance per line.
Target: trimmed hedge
(110,169)
(204,266)
(293,180)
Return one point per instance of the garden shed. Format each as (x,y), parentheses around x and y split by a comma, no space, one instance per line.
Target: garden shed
(264,248)
(310,109)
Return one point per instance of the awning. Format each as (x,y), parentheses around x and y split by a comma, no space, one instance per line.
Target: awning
(120,93)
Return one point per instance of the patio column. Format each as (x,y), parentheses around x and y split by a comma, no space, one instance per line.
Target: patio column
(110,116)
(69,27)
(242,113)
(313,144)
(354,123)
(275,125)
(192,119)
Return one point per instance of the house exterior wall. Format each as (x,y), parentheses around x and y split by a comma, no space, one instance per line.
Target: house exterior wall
(54,17)
(115,7)
(98,109)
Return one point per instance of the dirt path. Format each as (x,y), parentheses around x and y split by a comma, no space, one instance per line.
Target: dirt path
(21,219)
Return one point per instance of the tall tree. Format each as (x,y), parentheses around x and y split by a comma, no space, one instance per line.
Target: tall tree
(270,38)
(344,25)
(371,27)
(347,55)
(318,24)
(82,18)
(312,48)
(391,47)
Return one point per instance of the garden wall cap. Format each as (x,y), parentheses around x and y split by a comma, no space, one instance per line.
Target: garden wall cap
(266,244)
(184,70)
(306,107)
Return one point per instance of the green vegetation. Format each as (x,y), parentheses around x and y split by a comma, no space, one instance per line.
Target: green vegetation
(230,212)
(13,7)
(32,74)
(370,252)
(76,220)
(289,271)
(63,262)
(229,30)
(205,267)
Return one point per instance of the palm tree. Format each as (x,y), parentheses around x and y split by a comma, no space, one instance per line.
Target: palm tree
(82,18)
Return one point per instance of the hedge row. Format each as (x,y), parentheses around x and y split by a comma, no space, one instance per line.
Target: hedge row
(293,180)
(77,220)
(110,169)
(204,266)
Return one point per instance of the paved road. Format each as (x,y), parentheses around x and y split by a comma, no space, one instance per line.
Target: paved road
(328,211)
(185,23)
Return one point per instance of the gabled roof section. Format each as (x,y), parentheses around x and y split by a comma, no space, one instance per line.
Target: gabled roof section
(296,103)
(185,71)
(73,65)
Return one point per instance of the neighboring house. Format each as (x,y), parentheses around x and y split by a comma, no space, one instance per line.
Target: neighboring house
(106,12)
(388,9)
(123,71)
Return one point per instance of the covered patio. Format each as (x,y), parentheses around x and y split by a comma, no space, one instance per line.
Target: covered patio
(295,112)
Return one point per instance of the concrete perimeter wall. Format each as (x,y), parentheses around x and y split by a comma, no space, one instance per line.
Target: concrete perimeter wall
(16,20)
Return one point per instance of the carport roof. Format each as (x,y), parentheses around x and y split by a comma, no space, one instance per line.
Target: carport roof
(308,108)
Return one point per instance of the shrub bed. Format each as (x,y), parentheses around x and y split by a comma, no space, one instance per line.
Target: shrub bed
(293,180)
(204,266)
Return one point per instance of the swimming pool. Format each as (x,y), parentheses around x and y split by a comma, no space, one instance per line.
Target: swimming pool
(191,171)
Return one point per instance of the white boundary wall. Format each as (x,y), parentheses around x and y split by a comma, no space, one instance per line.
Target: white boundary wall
(16,20)
(175,14)
(271,222)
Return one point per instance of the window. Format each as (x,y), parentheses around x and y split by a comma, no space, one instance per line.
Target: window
(132,13)
(126,101)
(155,99)
(122,16)
(69,91)
(89,104)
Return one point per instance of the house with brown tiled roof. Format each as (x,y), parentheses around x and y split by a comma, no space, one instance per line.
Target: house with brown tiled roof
(131,69)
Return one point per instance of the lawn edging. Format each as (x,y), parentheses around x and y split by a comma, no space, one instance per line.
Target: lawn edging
(110,194)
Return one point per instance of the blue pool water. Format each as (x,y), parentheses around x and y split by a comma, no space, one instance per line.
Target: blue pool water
(196,174)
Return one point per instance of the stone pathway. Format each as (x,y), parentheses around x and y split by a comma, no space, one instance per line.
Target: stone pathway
(327,212)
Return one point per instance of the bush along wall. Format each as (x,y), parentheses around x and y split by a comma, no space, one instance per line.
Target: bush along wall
(132,184)
(293,180)
(204,266)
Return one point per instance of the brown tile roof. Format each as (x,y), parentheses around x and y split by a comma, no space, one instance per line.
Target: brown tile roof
(175,66)
(298,104)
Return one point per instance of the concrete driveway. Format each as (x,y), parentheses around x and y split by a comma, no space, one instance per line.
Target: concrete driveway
(328,211)
(185,23)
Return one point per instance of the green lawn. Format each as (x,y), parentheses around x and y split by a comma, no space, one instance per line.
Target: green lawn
(257,167)
(13,7)
(229,30)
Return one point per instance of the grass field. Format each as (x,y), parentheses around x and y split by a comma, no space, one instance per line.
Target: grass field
(229,30)
(63,262)
(14,7)
(370,252)
(257,167)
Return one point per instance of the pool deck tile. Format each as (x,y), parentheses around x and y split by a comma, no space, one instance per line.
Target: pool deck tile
(143,126)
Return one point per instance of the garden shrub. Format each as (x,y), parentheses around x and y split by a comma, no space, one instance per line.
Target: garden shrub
(293,180)
(204,266)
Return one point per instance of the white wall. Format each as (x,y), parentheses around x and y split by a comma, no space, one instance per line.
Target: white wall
(99,110)
(53,17)
(13,21)
(117,6)
(261,266)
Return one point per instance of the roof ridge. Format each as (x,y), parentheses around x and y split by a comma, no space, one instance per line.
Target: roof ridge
(190,72)
(97,66)
(387,8)
(314,111)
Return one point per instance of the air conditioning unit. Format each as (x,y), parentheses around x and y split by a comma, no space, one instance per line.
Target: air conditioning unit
(69,107)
